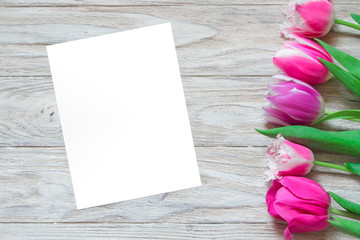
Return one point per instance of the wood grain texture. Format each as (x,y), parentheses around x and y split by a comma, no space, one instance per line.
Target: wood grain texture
(224,49)
(211,40)
(223,110)
(265,231)
(36,186)
(141,3)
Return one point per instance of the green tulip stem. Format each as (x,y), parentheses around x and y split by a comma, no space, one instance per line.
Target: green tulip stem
(349,114)
(349,24)
(327,111)
(344,213)
(335,166)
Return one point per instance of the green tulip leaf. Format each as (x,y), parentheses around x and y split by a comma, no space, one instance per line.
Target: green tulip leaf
(349,62)
(355,167)
(356,17)
(346,226)
(343,76)
(352,115)
(346,142)
(346,204)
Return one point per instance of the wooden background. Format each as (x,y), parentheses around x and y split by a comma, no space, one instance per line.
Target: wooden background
(225,49)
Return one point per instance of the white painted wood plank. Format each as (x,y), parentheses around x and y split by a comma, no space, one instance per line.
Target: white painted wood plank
(265,231)
(223,111)
(35,186)
(211,40)
(52,3)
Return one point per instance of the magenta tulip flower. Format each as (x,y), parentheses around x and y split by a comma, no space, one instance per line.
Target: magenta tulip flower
(299,59)
(286,158)
(293,102)
(309,18)
(301,202)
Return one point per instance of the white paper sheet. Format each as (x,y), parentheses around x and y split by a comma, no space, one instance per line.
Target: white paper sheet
(123,115)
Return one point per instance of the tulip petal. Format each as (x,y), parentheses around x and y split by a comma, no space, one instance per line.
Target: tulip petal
(281,88)
(270,199)
(300,65)
(287,234)
(300,161)
(306,223)
(274,120)
(303,151)
(313,191)
(310,50)
(293,22)
(293,102)
(300,202)
(305,87)
(298,104)
(300,170)
(284,87)
(276,116)
(283,160)
(308,18)
(287,205)
(317,15)
(311,44)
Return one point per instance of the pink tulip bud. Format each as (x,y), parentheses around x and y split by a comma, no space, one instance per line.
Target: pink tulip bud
(301,202)
(293,102)
(287,158)
(299,58)
(308,18)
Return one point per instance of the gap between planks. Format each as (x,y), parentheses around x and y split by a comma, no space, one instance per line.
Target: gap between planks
(183,75)
(152,5)
(143,223)
(159,5)
(210,146)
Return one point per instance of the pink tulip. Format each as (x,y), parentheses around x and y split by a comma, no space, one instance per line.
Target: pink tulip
(293,102)
(301,202)
(287,158)
(309,18)
(300,59)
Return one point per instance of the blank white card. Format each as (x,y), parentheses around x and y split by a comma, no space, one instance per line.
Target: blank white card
(123,115)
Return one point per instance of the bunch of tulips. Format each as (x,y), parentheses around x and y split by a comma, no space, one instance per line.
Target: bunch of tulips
(296,105)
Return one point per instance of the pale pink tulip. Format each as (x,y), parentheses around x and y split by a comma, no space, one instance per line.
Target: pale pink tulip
(286,158)
(308,18)
(293,102)
(301,202)
(299,59)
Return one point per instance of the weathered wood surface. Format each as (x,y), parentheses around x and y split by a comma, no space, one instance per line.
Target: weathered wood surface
(211,40)
(223,110)
(89,231)
(224,49)
(36,187)
(52,3)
